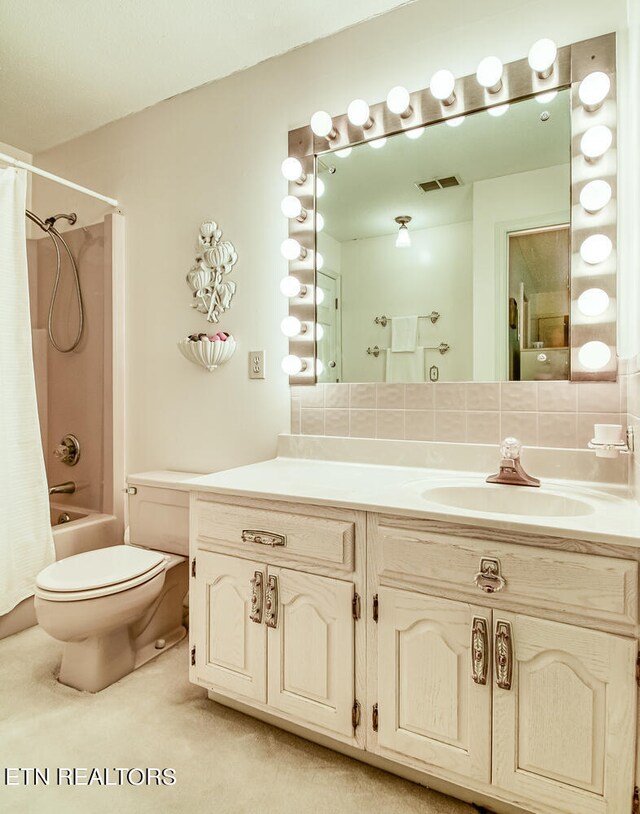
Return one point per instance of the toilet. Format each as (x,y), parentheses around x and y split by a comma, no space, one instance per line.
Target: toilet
(116,608)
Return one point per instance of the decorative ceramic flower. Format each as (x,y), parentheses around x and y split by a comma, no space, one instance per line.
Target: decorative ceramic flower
(216,258)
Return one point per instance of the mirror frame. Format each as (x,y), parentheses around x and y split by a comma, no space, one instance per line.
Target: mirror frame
(519,82)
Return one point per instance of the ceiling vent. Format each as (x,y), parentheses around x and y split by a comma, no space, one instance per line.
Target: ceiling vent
(439,183)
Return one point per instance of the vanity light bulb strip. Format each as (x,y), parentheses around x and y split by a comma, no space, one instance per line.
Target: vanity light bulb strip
(595,93)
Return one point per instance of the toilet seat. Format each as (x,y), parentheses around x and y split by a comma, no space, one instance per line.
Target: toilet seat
(101,572)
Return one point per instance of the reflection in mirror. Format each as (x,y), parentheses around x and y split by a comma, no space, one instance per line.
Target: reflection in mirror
(445,256)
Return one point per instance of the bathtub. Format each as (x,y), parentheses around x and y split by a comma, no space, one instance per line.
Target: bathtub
(75,530)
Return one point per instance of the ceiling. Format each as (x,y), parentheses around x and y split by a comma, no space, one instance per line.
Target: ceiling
(70,66)
(371,187)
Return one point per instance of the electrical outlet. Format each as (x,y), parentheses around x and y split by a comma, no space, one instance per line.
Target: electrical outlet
(256,364)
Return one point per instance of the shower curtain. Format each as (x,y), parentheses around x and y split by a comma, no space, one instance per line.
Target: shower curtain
(26,541)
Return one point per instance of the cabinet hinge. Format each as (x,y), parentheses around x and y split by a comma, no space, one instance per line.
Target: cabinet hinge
(193,567)
(356,608)
(635,805)
(193,656)
(375,608)
(638,669)
(374,717)
(355,714)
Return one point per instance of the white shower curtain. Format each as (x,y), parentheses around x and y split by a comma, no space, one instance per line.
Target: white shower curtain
(26,541)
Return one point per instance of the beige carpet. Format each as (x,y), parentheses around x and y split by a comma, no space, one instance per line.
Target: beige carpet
(225,762)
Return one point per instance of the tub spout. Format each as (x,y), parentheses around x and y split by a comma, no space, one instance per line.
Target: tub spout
(67,488)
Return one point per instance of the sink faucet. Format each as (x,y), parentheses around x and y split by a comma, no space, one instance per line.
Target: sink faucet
(511,471)
(67,488)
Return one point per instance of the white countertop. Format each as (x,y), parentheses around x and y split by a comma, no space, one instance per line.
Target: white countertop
(614,517)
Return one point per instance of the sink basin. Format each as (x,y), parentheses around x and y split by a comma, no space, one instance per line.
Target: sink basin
(499,499)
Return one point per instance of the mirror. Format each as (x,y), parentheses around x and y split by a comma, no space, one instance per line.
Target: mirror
(446,250)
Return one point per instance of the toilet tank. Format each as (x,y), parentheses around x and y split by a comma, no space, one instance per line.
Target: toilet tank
(159,511)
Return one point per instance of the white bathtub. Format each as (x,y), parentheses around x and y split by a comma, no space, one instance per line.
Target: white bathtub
(84,531)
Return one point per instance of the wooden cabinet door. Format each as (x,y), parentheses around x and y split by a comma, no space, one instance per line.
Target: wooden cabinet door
(564,734)
(430,708)
(311,650)
(231,650)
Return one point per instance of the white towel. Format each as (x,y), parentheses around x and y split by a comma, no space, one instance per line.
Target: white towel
(404,334)
(405,367)
(26,543)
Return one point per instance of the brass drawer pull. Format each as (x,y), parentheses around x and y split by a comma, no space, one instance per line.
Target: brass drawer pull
(503,655)
(271,603)
(489,579)
(479,650)
(263,537)
(256,597)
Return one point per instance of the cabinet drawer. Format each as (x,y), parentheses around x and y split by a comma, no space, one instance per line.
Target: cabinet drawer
(290,533)
(583,585)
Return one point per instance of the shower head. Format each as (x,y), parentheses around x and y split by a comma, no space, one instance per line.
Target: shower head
(71,217)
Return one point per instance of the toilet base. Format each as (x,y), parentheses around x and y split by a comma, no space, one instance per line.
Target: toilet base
(150,651)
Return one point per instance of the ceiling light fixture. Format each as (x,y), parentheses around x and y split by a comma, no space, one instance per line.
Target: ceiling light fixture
(403,240)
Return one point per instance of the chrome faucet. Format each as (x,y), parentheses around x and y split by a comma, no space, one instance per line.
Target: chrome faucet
(511,471)
(67,488)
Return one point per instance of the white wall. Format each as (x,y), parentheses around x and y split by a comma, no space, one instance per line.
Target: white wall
(434,274)
(517,201)
(215,153)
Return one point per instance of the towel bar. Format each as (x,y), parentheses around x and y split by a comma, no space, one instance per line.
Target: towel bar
(434,316)
(442,348)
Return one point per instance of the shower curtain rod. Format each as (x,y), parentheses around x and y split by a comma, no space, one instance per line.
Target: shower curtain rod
(15,162)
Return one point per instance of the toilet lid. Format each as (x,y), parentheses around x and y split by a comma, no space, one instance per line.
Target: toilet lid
(99,569)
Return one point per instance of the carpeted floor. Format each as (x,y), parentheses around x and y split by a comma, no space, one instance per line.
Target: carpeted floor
(224,762)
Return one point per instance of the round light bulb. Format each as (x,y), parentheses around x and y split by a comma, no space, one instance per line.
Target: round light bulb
(358,112)
(596,141)
(442,84)
(596,249)
(545,98)
(319,222)
(489,73)
(291,249)
(291,207)
(291,286)
(593,302)
(292,169)
(293,364)
(455,122)
(542,55)
(321,124)
(291,326)
(595,195)
(319,367)
(319,295)
(319,187)
(377,143)
(344,153)
(398,100)
(319,331)
(415,133)
(594,355)
(593,89)
(497,111)
(319,261)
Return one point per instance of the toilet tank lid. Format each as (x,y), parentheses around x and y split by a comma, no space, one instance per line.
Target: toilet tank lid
(164,478)
(98,568)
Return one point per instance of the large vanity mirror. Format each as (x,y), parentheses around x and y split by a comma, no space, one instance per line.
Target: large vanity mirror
(463,232)
(445,249)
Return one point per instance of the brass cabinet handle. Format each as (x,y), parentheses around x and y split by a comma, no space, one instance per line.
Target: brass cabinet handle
(256,597)
(479,650)
(489,579)
(271,603)
(503,655)
(263,537)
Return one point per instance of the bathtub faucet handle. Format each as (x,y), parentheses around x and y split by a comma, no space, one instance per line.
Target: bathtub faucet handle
(68,450)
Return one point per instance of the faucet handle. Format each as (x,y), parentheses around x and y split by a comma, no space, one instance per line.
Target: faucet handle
(511,448)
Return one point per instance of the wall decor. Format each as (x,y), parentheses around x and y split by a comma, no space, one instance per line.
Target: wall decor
(208,277)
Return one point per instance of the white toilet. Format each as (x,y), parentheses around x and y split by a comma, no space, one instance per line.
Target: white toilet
(116,608)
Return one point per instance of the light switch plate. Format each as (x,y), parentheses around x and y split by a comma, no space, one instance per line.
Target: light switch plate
(256,364)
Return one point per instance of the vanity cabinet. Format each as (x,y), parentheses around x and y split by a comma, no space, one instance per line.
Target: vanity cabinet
(269,631)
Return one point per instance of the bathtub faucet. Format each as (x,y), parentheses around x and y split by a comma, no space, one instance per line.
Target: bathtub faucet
(67,488)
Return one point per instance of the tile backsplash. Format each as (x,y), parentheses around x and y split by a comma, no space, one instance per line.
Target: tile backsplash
(545,414)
